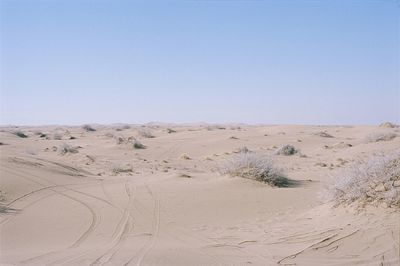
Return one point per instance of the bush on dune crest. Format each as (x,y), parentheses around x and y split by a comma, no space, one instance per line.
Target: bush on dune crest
(375,180)
(255,166)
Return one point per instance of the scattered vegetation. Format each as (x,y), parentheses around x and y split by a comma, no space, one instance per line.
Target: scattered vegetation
(372,181)
(380,136)
(287,150)
(255,166)
(66,148)
(88,128)
(20,134)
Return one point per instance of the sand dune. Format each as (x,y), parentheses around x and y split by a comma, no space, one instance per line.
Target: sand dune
(103,202)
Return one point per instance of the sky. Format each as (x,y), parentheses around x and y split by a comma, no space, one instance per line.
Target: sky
(271,62)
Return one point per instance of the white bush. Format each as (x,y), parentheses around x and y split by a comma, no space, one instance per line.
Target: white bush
(287,150)
(145,133)
(380,136)
(254,166)
(374,180)
(66,148)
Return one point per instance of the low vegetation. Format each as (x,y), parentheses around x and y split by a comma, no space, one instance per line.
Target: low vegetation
(380,136)
(145,133)
(324,134)
(20,134)
(138,145)
(287,150)
(388,125)
(375,180)
(122,169)
(254,166)
(66,148)
(88,128)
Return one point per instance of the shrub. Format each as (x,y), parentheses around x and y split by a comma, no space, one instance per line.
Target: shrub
(287,150)
(374,180)
(66,148)
(255,166)
(324,134)
(120,140)
(88,128)
(169,131)
(20,134)
(57,136)
(138,145)
(380,136)
(121,169)
(388,125)
(145,133)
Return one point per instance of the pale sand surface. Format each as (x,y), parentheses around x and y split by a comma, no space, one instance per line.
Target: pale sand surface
(74,210)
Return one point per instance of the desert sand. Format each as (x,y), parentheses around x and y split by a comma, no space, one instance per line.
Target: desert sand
(107,203)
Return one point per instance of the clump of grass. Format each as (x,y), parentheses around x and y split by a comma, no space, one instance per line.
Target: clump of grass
(380,136)
(121,169)
(255,166)
(145,133)
(287,150)
(88,128)
(324,134)
(138,145)
(375,180)
(20,134)
(120,140)
(243,149)
(66,148)
(185,157)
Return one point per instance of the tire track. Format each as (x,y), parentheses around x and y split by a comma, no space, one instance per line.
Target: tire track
(155,230)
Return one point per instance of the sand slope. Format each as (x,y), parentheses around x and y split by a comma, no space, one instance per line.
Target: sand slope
(110,204)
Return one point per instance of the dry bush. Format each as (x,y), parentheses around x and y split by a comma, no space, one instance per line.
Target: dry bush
(66,148)
(121,169)
(145,133)
(254,166)
(57,136)
(370,181)
(170,130)
(138,145)
(88,128)
(20,134)
(380,136)
(120,140)
(287,150)
(323,134)
(388,125)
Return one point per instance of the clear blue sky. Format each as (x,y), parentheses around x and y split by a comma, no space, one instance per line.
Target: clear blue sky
(303,62)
